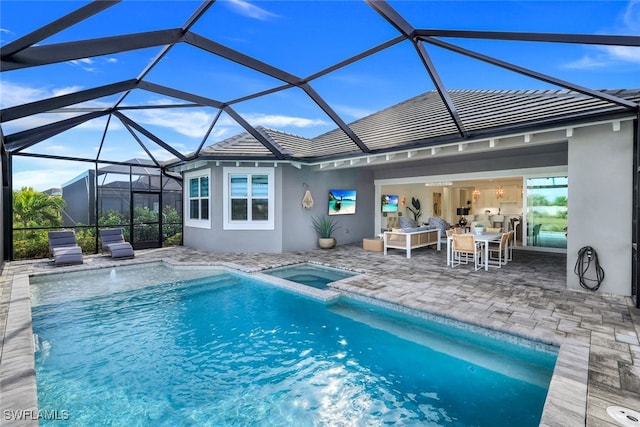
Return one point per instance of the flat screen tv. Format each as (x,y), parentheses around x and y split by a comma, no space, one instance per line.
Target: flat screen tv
(389,203)
(342,202)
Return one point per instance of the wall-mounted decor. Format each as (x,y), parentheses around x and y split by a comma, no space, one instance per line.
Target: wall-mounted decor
(389,203)
(437,204)
(342,202)
(307,200)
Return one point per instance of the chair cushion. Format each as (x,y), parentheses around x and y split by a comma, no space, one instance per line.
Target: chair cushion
(121,250)
(406,222)
(437,222)
(67,255)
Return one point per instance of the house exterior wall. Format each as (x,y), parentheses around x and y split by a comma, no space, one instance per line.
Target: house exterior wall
(601,202)
(292,228)
(298,232)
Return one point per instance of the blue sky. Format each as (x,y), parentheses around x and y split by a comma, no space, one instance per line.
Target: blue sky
(300,37)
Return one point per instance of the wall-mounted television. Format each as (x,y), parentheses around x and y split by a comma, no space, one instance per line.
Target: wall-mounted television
(342,202)
(389,203)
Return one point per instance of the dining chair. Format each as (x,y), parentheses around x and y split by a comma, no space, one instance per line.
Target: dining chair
(464,246)
(510,243)
(498,251)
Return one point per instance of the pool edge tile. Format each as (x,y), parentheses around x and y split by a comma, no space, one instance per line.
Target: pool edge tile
(17,371)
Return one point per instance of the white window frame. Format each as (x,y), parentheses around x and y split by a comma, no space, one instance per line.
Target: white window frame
(227,222)
(188,221)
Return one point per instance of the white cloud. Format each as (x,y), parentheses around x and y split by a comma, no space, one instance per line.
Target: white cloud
(247,9)
(42,178)
(191,123)
(586,62)
(631,16)
(608,56)
(624,53)
(272,120)
(16,94)
(352,112)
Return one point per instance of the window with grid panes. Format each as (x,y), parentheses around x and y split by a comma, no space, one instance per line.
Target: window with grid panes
(249,198)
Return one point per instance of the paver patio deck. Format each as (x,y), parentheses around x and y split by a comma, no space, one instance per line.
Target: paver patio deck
(527,298)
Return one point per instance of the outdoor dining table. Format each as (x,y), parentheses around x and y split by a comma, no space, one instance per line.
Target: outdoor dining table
(484,238)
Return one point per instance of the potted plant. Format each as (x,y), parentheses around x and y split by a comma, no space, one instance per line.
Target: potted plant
(325,226)
(478,228)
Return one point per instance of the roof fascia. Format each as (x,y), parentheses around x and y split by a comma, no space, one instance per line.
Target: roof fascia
(56,26)
(25,139)
(49,104)
(606,40)
(534,74)
(60,52)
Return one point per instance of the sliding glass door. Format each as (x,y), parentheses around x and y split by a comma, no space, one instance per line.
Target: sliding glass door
(547,211)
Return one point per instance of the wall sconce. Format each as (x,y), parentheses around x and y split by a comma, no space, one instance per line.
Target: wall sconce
(499,192)
(404,201)
(476,194)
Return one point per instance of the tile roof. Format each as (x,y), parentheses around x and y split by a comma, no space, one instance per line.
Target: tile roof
(424,120)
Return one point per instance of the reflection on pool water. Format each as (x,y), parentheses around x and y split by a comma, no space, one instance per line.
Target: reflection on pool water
(317,276)
(225,349)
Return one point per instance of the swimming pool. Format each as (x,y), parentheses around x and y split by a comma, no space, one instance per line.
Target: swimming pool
(227,349)
(317,276)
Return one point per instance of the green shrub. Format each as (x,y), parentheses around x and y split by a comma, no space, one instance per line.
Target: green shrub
(30,244)
(175,240)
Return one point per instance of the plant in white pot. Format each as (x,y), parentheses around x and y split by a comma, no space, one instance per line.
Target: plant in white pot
(478,228)
(325,226)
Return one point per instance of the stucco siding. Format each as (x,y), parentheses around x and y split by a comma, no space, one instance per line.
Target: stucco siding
(600,203)
(292,228)
(298,233)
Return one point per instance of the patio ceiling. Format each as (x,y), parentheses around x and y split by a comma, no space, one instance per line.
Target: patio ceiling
(118,101)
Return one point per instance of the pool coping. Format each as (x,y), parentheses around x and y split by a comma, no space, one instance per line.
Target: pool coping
(565,404)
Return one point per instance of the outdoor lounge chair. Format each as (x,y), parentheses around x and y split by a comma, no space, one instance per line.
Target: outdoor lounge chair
(113,242)
(63,248)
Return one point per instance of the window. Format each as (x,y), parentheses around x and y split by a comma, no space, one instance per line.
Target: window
(248,199)
(197,200)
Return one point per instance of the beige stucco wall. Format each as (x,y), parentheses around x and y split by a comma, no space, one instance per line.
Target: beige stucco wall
(600,202)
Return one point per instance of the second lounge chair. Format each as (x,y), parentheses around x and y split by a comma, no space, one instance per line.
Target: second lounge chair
(113,242)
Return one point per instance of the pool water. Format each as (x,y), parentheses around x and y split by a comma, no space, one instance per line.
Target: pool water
(313,275)
(230,350)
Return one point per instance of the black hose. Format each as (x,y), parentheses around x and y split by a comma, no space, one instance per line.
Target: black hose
(586,256)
